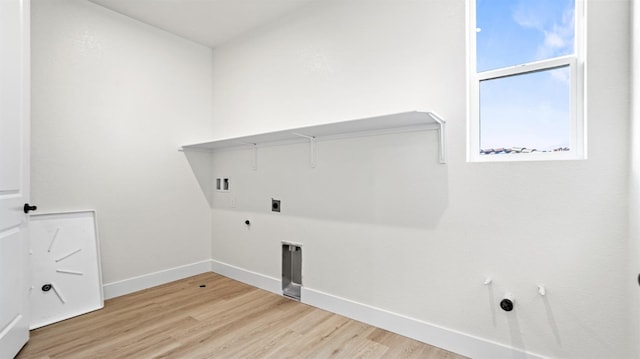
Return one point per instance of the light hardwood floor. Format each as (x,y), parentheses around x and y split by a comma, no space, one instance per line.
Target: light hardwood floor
(224,319)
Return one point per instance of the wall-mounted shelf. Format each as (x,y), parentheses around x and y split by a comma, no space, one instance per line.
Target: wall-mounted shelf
(386,124)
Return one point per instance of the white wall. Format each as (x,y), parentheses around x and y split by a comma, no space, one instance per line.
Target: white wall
(382,223)
(113,100)
(634,213)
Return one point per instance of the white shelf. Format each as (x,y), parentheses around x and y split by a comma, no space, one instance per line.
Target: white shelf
(386,124)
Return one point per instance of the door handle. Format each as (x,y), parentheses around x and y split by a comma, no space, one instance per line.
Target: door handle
(28,208)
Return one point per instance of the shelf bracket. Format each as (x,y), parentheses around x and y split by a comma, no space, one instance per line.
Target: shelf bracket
(441,132)
(254,156)
(443,156)
(254,153)
(312,148)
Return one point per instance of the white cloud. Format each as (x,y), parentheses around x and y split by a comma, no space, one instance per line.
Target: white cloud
(542,16)
(562,75)
(529,15)
(553,40)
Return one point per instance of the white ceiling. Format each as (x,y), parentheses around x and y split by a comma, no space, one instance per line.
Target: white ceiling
(208,22)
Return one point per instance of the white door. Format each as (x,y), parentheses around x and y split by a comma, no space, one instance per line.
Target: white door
(14,175)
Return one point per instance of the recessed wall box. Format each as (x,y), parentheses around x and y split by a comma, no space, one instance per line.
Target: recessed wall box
(291,270)
(222,184)
(275,205)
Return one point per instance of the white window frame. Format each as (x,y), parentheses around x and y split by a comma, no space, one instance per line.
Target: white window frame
(576,64)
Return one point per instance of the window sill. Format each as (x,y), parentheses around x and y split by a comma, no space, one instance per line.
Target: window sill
(527,157)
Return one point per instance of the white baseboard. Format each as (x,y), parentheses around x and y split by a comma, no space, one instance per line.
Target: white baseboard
(460,343)
(444,338)
(116,289)
(245,276)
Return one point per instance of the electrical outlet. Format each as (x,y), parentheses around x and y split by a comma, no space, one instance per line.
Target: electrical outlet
(275,205)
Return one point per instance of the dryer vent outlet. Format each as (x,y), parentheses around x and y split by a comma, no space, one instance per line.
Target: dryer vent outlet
(291,270)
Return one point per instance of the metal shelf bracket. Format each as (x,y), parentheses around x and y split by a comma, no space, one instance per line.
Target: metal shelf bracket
(441,131)
(254,153)
(312,148)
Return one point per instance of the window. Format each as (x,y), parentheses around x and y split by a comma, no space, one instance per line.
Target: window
(526,82)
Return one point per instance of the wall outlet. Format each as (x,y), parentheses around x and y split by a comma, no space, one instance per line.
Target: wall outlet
(275,205)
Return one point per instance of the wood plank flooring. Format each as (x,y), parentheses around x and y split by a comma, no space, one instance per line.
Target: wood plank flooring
(224,319)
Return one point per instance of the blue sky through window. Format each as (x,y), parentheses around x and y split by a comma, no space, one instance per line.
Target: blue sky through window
(513,32)
(528,110)
(535,117)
